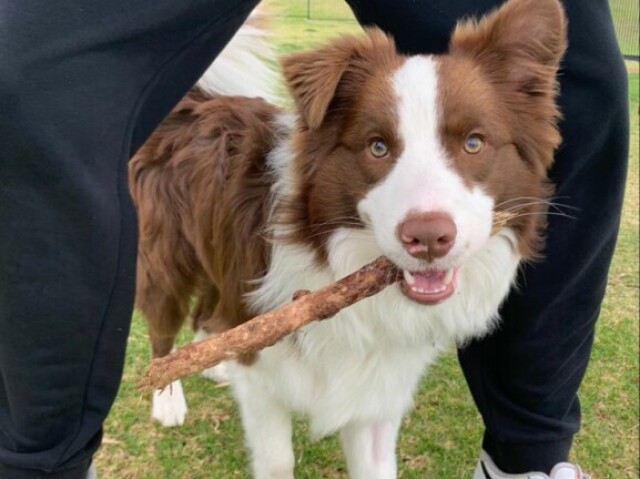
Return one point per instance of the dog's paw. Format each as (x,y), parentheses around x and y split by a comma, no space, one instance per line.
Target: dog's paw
(169,406)
(217,373)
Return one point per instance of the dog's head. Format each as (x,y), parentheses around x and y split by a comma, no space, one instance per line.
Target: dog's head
(423,150)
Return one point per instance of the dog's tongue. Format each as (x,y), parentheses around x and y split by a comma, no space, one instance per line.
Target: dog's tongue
(429,281)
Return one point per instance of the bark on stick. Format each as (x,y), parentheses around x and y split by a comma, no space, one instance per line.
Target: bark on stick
(267,329)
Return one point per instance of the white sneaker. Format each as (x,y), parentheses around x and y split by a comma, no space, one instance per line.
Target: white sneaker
(91,473)
(486,469)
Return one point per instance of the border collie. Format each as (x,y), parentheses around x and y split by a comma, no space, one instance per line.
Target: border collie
(241,204)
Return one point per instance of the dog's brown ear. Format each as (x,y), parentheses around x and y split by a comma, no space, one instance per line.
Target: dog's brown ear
(313,77)
(520,44)
(519,47)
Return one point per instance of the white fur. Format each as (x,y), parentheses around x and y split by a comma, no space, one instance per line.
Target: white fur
(357,372)
(360,368)
(423,179)
(243,67)
(370,449)
(169,406)
(267,426)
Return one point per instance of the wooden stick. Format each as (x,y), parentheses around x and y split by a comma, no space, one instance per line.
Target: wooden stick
(267,329)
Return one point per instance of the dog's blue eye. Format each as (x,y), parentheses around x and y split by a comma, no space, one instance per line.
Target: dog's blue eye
(378,148)
(473,143)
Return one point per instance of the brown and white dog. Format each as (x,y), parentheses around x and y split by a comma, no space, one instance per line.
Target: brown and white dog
(241,204)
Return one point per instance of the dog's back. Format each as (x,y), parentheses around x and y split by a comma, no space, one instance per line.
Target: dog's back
(206,160)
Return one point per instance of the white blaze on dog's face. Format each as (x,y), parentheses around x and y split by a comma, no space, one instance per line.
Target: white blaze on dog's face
(422,150)
(424,216)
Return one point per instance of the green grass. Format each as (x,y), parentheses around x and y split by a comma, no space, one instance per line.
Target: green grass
(293,31)
(440,437)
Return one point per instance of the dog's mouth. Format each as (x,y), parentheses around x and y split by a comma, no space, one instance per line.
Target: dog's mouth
(429,286)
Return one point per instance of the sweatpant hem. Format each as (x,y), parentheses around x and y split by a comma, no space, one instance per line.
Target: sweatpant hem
(75,472)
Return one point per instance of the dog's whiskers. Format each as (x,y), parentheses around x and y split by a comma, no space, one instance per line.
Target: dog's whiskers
(535,213)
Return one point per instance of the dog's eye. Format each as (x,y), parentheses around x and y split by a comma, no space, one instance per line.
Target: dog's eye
(378,148)
(473,144)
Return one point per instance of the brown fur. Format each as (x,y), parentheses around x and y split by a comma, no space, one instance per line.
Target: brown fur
(345,100)
(509,62)
(202,193)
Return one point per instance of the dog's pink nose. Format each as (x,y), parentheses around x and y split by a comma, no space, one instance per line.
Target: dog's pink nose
(428,236)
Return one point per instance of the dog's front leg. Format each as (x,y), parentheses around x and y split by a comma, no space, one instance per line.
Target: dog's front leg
(267,428)
(370,449)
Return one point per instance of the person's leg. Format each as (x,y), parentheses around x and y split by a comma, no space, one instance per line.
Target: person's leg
(81,86)
(524,378)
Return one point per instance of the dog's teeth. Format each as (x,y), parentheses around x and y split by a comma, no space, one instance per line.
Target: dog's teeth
(408,277)
(448,277)
(429,291)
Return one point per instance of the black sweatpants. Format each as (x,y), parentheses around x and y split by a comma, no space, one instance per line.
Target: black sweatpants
(82,84)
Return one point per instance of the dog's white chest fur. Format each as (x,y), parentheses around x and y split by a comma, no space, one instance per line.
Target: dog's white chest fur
(363,365)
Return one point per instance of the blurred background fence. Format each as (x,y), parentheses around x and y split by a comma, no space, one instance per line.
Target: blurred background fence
(626,16)
(319,9)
